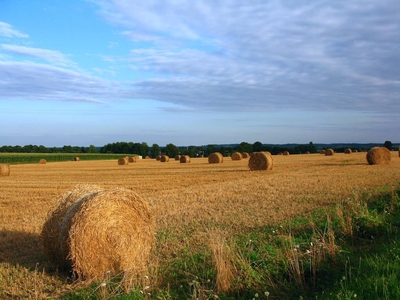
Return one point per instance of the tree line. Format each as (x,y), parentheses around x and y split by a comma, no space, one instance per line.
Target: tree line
(171,150)
(154,150)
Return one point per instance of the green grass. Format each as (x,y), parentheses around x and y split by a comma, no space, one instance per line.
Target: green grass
(348,251)
(33,158)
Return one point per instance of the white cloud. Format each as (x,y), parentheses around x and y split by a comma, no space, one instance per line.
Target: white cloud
(7,31)
(54,57)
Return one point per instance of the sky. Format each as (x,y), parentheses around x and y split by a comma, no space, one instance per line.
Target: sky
(80,73)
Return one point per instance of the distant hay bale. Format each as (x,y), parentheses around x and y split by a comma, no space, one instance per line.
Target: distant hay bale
(307,152)
(285,152)
(378,156)
(329,152)
(399,151)
(177,157)
(132,159)
(147,157)
(158,157)
(215,158)
(51,229)
(4,170)
(280,153)
(236,156)
(42,161)
(322,151)
(107,233)
(77,158)
(348,151)
(164,158)
(245,155)
(123,161)
(184,159)
(260,161)
(355,150)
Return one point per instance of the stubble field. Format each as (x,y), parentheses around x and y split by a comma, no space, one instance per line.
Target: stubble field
(188,201)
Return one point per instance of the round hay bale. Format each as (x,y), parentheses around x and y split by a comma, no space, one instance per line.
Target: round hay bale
(378,156)
(261,161)
(355,151)
(245,155)
(147,157)
(164,158)
(50,234)
(158,157)
(132,159)
(123,161)
(77,158)
(177,157)
(4,170)
(215,158)
(42,161)
(347,151)
(184,159)
(307,152)
(286,153)
(329,152)
(236,156)
(108,233)
(322,151)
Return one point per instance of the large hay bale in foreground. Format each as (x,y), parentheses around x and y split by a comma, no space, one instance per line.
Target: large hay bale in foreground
(347,151)
(236,156)
(261,161)
(329,152)
(184,159)
(42,161)
(51,229)
(123,161)
(215,158)
(4,170)
(164,158)
(108,233)
(378,156)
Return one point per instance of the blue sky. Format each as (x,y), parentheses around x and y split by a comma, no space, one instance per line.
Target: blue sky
(199,72)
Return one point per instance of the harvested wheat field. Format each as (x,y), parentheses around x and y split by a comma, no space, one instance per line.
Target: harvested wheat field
(186,202)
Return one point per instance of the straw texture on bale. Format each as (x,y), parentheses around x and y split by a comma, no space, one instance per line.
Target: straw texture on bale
(164,158)
(177,157)
(107,233)
(348,151)
(77,158)
(132,159)
(51,229)
(42,161)
(236,156)
(215,158)
(378,156)
(122,161)
(4,170)
(329,152)
(245,155)
(184,159)
(261,161)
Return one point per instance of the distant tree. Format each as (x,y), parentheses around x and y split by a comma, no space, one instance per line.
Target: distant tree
(388,144)
(154,150)
(143,149)
(171,150)
(245,147)
(257,147)
(92,149)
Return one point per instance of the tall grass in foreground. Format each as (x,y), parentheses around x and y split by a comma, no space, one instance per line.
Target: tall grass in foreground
(349,251)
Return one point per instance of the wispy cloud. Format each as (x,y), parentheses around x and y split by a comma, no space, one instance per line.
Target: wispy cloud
(7,31)
(275,54)
(54,57)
